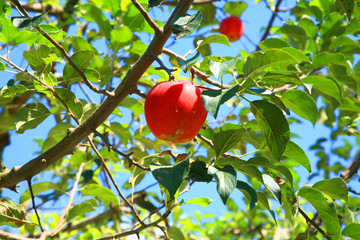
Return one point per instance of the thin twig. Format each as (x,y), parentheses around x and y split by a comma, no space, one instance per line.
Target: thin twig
(271,21)
(142,227)
(313,223)
(70,202)
(168,71)
(148,19)
(126,156)
(197,72)
(67,57)
(107,170)
(33,203)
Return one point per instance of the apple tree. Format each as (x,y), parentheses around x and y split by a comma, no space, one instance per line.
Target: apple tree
(75,76)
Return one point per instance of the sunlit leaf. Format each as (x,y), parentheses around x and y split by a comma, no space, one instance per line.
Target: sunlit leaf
(325,209)
(202,201)
(226,137)
(352,230)
(30,116)
(336,188)
(82,208)
(296,153)
(220,66)
(102,193)
(302,104)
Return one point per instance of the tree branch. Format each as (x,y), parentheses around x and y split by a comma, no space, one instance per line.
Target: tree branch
(313,223)
(149,20)
(33,203)
(271,21)
(70,202)
(9,178)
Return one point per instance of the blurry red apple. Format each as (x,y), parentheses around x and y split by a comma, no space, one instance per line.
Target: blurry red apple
(232,27)
(174,111)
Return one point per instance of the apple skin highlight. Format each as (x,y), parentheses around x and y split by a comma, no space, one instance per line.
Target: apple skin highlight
(174,111)
(232,27)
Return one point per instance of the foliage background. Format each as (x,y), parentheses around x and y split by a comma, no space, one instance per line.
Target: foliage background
(305,65)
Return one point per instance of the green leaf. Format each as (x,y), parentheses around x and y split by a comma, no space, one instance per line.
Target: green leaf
(102,193)
(82,208)
(82,59)
(235,8)
(175,233)
(273,126)
(37,189)
(272,186)
(226,137)
(294,152)
(264,162)
(56,134)
(28,23)
(71,101)
(335,188)
(8,32)
(326,86)
(275,58)
(171,177)
(251,171)
(326,59)
(198,172)
(273,43)
(248,191)
(216,38)
(213,99)
(30,116)
(352,230)
(357,10)
(325,209)
(2,66)
(301,103)
(36,58)
(262,199)
(185,25)
(93,13)
(120,37)
(186,64)
(268,95)
(12,214)
(347,7)
(13,91)
(226,180)
(220,67)
(202,201)
(290,201)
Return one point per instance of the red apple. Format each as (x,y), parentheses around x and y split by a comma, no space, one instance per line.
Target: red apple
(174,111)
(232,27)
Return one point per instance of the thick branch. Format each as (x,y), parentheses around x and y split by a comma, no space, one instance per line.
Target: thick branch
(9,178)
